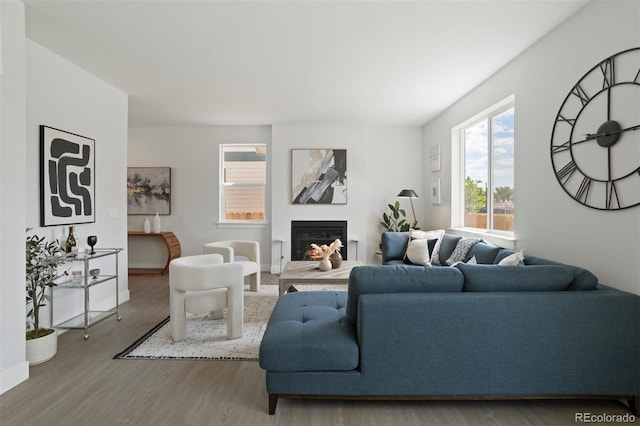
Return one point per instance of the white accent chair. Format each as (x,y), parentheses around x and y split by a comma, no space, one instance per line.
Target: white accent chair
(205,284)
(246,253)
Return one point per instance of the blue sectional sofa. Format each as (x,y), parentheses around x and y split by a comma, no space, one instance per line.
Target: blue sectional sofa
(471,331)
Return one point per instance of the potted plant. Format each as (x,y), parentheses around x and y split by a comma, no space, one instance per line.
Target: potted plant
(42,260)
(395,220)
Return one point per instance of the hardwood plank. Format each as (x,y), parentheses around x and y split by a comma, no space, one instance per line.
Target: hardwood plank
(83,385)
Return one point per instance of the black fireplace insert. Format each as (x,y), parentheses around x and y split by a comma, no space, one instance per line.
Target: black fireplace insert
(307,232)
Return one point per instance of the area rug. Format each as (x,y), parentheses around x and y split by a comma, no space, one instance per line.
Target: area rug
(207,339)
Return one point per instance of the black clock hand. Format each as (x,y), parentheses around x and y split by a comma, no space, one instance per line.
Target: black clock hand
(593,136)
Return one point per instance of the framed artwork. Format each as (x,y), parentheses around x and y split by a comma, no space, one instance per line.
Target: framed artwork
(319,176)
(67,178)
(148,190)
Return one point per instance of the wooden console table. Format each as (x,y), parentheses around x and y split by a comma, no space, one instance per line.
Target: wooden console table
(173,250)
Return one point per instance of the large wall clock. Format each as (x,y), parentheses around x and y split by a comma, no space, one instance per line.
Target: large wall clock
(595,143)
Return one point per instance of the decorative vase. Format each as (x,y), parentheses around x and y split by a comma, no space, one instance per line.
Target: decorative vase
(156,224)
(325,265)
(147,226)
(336,259)
(42,349)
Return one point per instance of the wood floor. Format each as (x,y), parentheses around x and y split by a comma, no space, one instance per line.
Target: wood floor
(83,385)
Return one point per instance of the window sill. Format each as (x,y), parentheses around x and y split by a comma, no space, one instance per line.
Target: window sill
(501,239)
(243,224)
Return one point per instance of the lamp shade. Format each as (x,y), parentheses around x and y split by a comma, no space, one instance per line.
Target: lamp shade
(408,193)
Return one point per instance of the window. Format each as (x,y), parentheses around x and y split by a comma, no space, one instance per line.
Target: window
(487,170)
(243,178)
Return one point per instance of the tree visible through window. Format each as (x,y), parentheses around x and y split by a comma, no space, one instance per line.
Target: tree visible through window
(243,182)
(488,149)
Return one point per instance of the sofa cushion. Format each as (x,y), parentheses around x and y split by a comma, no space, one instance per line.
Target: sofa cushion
(371,279)
(394,246)
(502,253)
(443,249)
(307,332)
(515,259)
(484,252)
(418,252)
(515,278)
(583,279)
(462,250)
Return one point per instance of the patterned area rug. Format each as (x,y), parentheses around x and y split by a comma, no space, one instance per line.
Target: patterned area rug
(207,339)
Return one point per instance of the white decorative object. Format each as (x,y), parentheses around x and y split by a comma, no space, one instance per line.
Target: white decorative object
(147,226)
(324,252)
(325,264)
(42,349)
(156,224)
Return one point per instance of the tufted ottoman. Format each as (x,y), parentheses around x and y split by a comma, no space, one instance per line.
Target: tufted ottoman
(307,332)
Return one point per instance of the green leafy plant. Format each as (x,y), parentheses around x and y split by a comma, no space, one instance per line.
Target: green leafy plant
(42,261)
(395,220)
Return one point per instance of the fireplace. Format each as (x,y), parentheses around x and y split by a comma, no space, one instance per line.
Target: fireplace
(307,232)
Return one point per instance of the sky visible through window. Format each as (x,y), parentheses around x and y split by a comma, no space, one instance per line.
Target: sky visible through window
(477,150)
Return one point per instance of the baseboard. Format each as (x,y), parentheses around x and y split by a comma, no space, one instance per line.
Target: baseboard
(14,376)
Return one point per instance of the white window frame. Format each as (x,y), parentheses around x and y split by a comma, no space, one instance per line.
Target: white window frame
(504,238)
(222,220)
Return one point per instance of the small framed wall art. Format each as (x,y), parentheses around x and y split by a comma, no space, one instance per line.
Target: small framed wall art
(67,178)
(148,190)
(319,176)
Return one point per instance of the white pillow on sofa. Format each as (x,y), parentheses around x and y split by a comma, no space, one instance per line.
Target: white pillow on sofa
(421,247)
(513,259)
(418,252)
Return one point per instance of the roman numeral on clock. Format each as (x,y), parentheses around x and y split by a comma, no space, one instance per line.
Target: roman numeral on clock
(570,121)
(565,173)
(583,190)
(561,148)
(608,73)
(581,94)
(611,191)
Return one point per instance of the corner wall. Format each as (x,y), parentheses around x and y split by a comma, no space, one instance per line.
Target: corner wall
(548,222)
(13,367)
(66,97)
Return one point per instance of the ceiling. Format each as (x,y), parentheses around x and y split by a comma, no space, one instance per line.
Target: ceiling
(186,62)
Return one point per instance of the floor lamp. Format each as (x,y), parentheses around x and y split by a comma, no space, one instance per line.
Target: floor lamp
(410,194)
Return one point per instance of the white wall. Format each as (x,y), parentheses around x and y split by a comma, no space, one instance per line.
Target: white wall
(381,161)
(193,155)
(548,222)
(63,96)
(13,367)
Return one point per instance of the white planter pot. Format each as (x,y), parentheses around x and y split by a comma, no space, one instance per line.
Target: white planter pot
(42,349)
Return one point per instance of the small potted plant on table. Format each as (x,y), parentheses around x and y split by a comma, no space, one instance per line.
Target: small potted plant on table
(42,260)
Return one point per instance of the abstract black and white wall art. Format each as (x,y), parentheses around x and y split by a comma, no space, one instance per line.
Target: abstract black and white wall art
(67,178)
(319,176)
(148,190)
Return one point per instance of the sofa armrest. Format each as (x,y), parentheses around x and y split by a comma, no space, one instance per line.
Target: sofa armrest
(572,343)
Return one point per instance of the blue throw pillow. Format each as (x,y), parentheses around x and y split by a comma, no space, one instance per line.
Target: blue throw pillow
(484,252)
(515,278)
